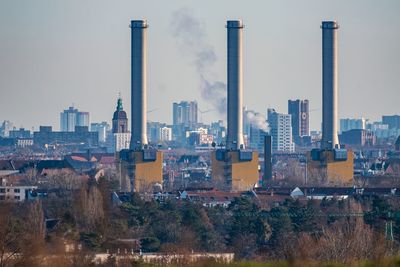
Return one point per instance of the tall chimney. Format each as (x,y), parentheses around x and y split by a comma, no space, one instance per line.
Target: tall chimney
(138,83)
(267,159)
(234,139)
(329,85)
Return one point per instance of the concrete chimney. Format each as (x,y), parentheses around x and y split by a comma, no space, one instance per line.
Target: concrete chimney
(138,83)
(329,85)
(234,139)
(267,159)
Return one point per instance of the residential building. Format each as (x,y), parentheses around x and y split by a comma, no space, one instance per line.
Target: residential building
(165,134)
(14,193)
(281,131)
(71,117)
(81,136)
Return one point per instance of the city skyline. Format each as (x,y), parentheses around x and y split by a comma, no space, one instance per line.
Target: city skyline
(65,66)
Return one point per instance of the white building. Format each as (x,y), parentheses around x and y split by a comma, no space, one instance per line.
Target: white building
(102,129)
(165,134)
(281,131)
(14,193)
(121,141)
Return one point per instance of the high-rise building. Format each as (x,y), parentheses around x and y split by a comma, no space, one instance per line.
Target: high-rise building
(352,124)
(102,129)
(5,128)
(166,133)
(281,131)
(71,117)
(299,110)
(392,120)
(185,113)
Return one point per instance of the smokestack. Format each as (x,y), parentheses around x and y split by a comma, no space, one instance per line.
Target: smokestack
(267,159)
(234,139)
(138,83)
(329,85)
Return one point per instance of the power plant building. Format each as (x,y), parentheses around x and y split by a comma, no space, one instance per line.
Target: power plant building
(332,163)
(235,168)
(141,164)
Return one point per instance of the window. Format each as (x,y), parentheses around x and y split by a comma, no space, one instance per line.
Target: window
(2,190)
(16,190)
(16,197)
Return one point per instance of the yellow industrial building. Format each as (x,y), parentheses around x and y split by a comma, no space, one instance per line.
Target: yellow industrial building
(235,170)
(140,169)
(332,166)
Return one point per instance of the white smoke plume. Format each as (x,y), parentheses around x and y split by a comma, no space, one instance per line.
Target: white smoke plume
(190,36)
(257,120)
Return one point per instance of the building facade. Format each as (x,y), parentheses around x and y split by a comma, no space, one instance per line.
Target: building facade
(393,121)
(281,131)
(185,113)
(352,124)
(300,113)
(72,117)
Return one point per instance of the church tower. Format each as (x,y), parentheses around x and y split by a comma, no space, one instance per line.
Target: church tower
(120,120)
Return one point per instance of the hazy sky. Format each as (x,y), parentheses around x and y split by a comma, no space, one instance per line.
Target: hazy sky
(54,53)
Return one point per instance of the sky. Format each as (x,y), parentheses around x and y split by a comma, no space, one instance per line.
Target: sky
(58,53)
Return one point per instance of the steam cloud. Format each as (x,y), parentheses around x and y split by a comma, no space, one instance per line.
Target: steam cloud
(190,35)
(257,120)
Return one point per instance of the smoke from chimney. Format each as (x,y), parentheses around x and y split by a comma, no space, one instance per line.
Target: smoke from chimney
(190,35)
(257,120)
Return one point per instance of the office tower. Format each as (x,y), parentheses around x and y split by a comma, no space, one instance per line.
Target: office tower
(299,110)
(185,113)
(330,138)
(281,131)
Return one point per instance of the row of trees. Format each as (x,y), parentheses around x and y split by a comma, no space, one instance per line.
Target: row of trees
(328,230)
